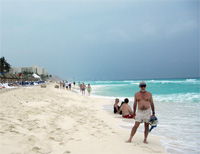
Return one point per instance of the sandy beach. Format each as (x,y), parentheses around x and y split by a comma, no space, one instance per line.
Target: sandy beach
(56,121)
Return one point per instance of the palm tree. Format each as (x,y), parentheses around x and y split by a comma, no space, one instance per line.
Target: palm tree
(4,65)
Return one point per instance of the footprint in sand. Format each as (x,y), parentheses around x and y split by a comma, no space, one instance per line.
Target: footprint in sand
(31,139)
(36,148)
(66,152)
(11,126)
(2,132)
(51,138)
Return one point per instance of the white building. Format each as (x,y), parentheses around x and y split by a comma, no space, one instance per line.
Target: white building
(45,72)
(39,70)
(15,70)
(28,69)
(33,69)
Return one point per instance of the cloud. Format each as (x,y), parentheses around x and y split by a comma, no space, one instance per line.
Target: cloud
(181,27)
(148,29)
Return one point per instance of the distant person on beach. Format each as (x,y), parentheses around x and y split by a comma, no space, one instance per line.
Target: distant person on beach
(83,88)
(63,84)
(116,106)
(80,86)
(89,89)
(70,85)
(66,84)
(144,101)
(74,83)
(60,84)
(127,112)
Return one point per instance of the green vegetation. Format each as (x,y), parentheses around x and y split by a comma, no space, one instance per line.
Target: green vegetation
(4,65)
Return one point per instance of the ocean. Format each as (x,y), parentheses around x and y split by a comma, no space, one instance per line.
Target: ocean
(177,107)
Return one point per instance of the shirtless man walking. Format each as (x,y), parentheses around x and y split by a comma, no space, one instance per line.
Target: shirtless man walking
(83,88)
(144,101)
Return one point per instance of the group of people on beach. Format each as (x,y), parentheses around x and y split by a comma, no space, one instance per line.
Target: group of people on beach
(83,87)
(66,84)
(143,102)
(124,109)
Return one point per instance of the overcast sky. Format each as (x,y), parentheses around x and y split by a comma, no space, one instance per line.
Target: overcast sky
(103,40)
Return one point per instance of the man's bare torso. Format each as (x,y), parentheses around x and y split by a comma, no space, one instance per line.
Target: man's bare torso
(126,109)
(143,99)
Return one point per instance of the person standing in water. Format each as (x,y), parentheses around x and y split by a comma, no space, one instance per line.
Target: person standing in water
(143,99)
(89,89)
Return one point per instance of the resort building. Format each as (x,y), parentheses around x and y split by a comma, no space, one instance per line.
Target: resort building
(33,69)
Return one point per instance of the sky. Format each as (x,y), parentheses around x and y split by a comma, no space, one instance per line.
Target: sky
(101,39)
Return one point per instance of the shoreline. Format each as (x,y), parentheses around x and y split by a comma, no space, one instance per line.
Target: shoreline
(168,129)
(129,123)
(51,120)
(109,111)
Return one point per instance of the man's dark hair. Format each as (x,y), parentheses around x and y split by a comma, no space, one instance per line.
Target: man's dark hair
(126,100)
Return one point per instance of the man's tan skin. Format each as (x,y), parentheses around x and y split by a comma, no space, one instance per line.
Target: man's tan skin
(83,88)
(126,109)
(143,99)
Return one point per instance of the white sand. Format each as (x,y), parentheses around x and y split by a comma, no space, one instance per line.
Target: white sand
(56,121)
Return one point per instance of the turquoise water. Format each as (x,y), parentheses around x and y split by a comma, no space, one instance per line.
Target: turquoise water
(177,104)
(164,90)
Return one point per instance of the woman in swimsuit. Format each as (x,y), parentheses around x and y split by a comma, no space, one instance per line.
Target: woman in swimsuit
(116,106)
(89,89)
